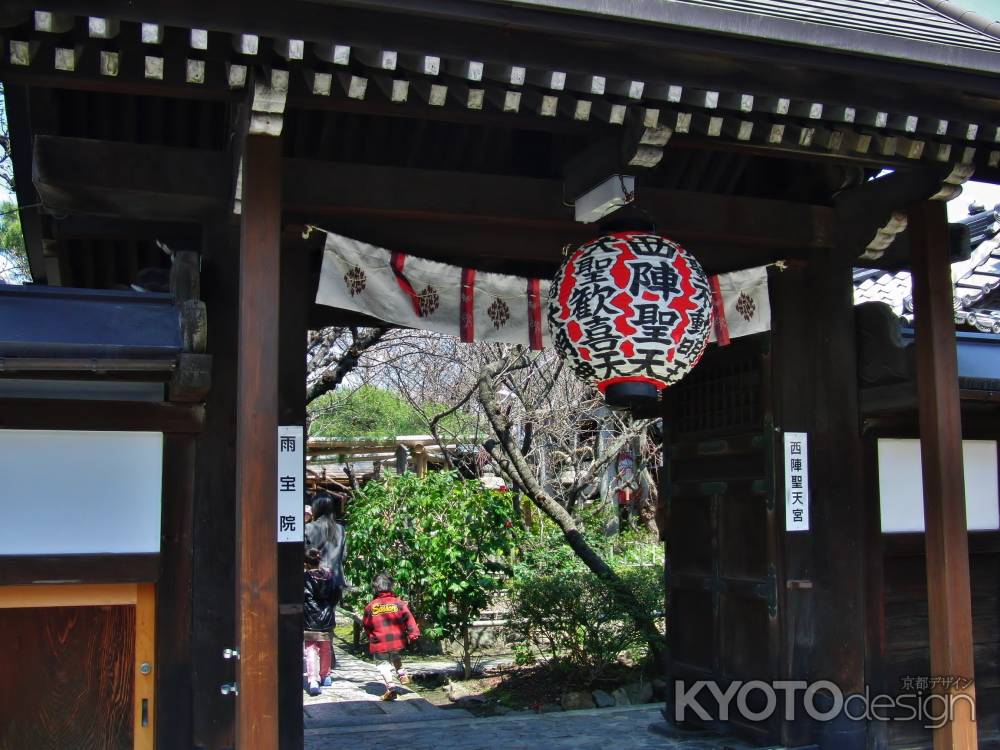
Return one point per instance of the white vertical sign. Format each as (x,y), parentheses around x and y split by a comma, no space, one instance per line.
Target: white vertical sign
(796,481)
(290,483)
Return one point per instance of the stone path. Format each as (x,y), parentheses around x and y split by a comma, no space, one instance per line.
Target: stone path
(350,714)
(594,729)
(354,699)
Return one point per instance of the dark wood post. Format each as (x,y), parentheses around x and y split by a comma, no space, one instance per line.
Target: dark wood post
(946,535)
(173,595)
(214,515)
(401,459)
(256,447)
(297,293)
(815,390)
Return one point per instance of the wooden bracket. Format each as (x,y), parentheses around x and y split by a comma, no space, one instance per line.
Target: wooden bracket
(871,218)
(192,379)
(640,146)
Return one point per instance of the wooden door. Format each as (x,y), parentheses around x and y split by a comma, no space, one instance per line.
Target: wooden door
(77,666)
(721,541)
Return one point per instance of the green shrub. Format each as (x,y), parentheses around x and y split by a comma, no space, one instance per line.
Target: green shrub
(440,537)
(567,612)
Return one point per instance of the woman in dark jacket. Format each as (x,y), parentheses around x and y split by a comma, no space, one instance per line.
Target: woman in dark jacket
(318,619)
(326,535)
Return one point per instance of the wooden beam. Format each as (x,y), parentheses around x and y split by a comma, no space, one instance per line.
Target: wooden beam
(128,568)
(54,414)
(128,180)
(256,447)
(58,595)
(153,182)
(87,227)
(946,536)
(183,183)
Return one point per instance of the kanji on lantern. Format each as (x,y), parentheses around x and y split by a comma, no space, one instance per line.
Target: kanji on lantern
(631,313)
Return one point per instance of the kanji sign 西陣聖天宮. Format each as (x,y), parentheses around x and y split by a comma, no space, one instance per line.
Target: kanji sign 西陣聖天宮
(796,481)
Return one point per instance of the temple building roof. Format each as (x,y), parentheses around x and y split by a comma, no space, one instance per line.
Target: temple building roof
(912,29)
(976,280)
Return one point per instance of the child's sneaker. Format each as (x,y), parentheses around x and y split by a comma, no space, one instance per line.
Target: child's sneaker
(314,689)
(389,695)
(328,680)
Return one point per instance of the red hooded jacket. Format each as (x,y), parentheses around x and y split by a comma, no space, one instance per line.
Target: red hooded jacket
(389,624)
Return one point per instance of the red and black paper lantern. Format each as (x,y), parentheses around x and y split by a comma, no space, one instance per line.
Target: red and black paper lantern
(630,311)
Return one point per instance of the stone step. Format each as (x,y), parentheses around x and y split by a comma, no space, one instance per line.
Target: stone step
(454,720)
(330,718)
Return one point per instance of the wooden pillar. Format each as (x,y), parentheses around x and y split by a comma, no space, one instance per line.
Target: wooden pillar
(815,390)
(946,536)
(297,294)
(213,525)
(420,459)
(256,448)
(401,459)
(172,666)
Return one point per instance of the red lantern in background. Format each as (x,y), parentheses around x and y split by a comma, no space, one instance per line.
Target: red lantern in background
(630,311)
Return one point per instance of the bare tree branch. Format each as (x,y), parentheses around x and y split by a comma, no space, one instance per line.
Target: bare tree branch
(349,360)
(510,458)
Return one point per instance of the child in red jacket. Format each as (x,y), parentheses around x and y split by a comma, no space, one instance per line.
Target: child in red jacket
(390,627)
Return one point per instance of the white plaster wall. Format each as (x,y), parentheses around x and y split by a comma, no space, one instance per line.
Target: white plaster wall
(901,485)
(75,492)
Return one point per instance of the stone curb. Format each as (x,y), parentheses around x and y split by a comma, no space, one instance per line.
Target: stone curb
(484,722)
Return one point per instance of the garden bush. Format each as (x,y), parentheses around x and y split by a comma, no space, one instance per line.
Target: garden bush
(443,539)
(568,614)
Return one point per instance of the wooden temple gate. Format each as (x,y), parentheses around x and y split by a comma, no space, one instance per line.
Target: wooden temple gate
(452,130)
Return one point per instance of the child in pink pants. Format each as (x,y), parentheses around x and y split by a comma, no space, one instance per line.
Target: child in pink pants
(318,615)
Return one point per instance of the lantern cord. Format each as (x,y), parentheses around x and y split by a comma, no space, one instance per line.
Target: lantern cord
(629,194)
(563,196)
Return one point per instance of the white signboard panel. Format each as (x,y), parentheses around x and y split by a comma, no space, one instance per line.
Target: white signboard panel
(65,492)
(290,480)
(796,481)
(901,485)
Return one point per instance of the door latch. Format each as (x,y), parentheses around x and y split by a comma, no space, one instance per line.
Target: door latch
(228,688)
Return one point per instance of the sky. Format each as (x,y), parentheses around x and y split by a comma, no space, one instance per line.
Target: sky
(988,8)
(989,195)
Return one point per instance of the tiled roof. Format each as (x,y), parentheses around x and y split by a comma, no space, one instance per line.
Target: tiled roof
(909,19)
(934,32)
(975,279)
(891,288)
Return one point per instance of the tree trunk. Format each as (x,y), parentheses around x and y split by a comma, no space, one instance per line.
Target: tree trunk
(512,462)
(466,651)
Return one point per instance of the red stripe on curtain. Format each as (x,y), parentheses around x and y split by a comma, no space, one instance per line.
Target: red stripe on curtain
(534,314)
(467,321)
(719,313)
(397,261)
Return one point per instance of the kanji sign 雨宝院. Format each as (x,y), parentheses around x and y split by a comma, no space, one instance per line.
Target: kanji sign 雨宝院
(290,479)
